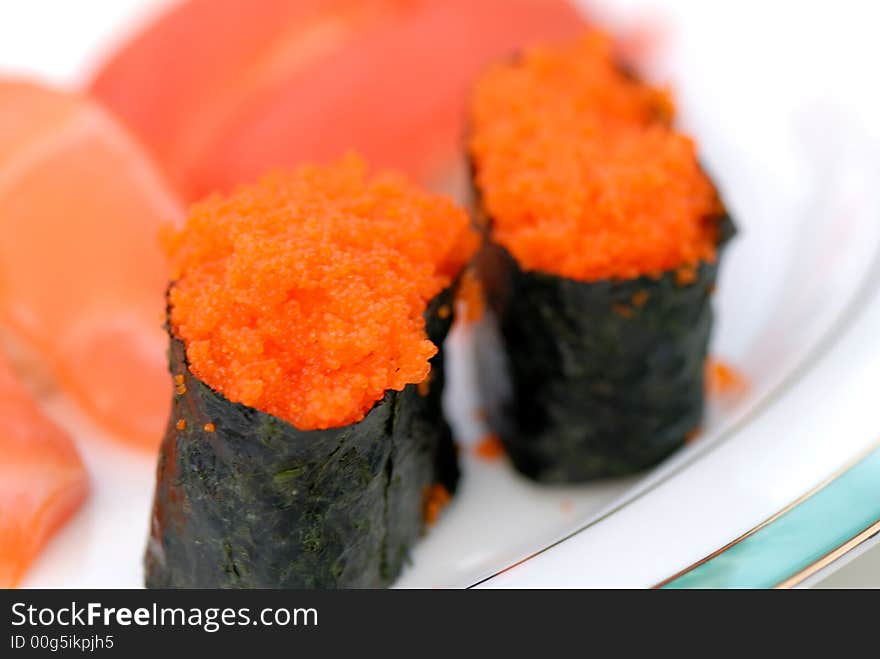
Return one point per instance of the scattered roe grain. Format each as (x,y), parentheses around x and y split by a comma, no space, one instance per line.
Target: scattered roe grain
(489,447)
(723,379)
(436,498)
(304,295)
(580,170)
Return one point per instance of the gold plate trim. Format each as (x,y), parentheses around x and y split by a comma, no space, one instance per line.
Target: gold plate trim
(819,564)
(830,557)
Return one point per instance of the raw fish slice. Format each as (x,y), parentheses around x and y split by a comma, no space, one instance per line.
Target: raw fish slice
(278,87)
(179,81)
(42,479)
(82,278)
(396,93)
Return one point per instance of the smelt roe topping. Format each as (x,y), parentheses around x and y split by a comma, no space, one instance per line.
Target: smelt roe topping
(580,171)
(303,296)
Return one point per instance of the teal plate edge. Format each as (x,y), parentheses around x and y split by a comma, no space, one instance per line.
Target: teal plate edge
(806,536)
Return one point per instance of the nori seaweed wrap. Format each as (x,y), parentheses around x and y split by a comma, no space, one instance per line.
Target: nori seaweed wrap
(245,499)
(590,364)
(589,379)
(255,503)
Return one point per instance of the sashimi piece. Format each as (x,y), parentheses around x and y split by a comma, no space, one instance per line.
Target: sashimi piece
(386,78)
(395,93)
(42,479)
(180,80)
(82,278)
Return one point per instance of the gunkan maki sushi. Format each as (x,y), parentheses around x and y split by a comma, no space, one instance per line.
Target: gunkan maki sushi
(603,237)
(306,316)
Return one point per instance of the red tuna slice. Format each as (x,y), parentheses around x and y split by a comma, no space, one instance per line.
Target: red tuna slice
(178,82)
(82,277)
(389,80)
(42,479)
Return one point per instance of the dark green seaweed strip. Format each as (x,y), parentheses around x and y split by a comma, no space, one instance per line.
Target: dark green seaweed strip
(585,380)
(259,504)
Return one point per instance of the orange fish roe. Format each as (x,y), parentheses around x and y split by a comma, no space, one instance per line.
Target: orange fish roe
(209,427)
(303,296)
(723,379)
(639,298)
(436,498)
(489,448)
(470,297)
(686,275)
(181,424)
(580,171)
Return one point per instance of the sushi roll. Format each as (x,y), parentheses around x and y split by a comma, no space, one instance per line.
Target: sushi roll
(306,317)
(603,238)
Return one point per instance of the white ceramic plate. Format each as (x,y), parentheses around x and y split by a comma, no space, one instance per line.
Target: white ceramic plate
(789,123)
